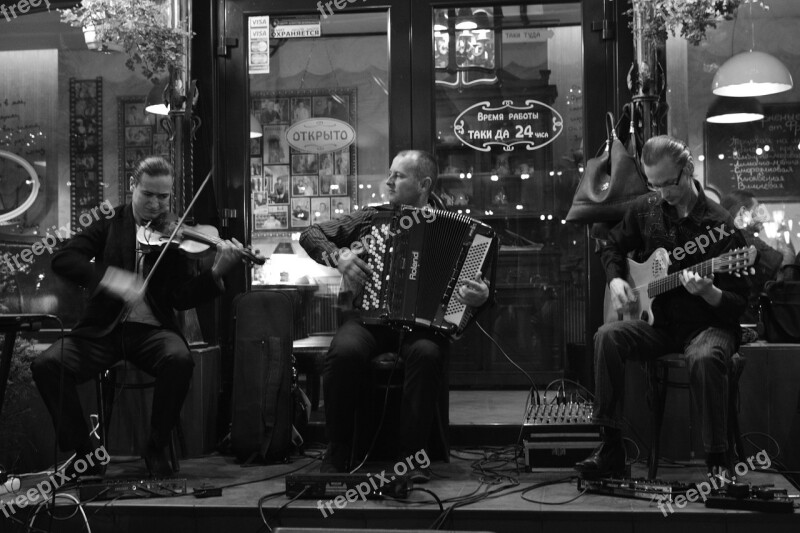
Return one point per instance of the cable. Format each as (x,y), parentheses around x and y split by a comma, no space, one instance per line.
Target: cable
(546,483)
(435,497)
(42,505)
(530,380)
(385,404)
(277,513)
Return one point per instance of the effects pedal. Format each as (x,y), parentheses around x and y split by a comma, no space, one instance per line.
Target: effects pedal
(635,488)
(131,488)
(369,486)
(763,498)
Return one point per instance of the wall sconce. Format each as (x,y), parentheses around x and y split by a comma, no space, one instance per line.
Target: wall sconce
(729,110)
(255,128)
(158,101)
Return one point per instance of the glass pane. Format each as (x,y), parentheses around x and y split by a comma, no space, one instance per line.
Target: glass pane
(509,126)
(321,104)
(74,117)
(752,168)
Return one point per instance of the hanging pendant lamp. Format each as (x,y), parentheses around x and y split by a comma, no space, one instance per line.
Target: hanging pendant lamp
(751,74)
(729,110)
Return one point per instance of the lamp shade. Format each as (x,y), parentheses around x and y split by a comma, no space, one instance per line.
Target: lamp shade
(751,74)
(255,128)
(729,110)
(157,101)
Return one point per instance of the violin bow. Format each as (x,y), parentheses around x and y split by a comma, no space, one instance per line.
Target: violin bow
(127,311)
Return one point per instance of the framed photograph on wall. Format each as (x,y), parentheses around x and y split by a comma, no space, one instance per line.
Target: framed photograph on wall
(303,178)
(138,137)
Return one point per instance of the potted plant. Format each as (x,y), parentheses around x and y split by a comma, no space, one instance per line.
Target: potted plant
(140,28)
(692,17)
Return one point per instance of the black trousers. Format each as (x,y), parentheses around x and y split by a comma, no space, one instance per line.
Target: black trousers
(347,370)
(160,352)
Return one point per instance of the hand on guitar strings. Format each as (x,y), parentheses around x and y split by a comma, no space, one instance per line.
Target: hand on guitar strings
(622,295)
(702,287)
(474,292)
(696,284)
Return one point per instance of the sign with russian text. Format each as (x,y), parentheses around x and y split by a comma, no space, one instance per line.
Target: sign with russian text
(527,35)
(320,135)
(296,27)
(532,124)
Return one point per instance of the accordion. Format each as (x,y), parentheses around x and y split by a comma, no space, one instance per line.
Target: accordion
(419,259)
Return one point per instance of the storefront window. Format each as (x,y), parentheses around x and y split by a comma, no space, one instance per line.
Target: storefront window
(72,125)
(752,167)
(319,97)
(509,140)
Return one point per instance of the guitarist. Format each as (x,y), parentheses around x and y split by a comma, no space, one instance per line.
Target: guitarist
(699,319)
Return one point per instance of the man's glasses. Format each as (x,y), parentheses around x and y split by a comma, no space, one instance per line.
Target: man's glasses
(667,184)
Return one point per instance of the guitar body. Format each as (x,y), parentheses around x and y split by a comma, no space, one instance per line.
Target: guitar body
(639,275)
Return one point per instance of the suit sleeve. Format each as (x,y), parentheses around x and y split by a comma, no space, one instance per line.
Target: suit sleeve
(80,259)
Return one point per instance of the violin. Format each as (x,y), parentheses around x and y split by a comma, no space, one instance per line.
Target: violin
(192,240)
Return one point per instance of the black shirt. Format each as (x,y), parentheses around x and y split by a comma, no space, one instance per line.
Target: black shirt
(706,232)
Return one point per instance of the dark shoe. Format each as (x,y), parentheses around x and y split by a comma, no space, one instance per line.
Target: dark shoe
(608,460)
(79,469)
(155,458)
(420,475)
(720,471)
(335,460)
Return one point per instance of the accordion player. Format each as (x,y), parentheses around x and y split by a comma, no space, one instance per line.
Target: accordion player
(419,258)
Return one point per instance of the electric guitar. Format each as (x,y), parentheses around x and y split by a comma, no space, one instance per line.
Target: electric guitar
(649,279)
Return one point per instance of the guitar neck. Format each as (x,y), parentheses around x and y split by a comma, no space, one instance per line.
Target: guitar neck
(673,281)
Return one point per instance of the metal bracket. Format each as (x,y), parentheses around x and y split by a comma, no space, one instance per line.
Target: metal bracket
(606,27)
(226,44)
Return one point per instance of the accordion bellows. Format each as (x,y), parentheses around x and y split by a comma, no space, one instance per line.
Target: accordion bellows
(419,258)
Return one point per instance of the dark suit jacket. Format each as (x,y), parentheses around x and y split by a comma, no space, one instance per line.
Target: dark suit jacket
(111,241)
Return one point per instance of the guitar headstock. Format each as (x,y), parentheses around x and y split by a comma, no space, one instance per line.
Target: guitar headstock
(736,260)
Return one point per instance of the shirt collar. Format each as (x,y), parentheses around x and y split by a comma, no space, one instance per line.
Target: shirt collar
(698,211)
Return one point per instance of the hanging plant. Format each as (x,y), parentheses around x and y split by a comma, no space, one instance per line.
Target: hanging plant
(141,28)
(692,17)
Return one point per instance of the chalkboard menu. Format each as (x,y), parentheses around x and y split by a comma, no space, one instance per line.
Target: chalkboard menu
(762,156)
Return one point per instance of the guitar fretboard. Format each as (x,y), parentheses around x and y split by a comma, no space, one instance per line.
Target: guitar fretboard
(673,281)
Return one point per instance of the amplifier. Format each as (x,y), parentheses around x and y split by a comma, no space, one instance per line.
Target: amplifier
(112,489)
(558,435)
(371,486)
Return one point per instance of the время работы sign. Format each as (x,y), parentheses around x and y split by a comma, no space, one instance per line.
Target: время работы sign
(532,124)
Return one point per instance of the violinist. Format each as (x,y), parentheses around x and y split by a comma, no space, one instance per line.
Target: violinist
(126,319)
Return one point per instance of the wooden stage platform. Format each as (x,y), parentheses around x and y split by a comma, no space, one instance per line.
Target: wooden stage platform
(556,507)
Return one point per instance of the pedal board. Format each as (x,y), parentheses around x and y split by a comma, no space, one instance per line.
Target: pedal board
(366,485)
(635,488)
(558,435)
(112,489)
(745,497)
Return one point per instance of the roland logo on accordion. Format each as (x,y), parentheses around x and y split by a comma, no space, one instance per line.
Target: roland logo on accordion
(412,273)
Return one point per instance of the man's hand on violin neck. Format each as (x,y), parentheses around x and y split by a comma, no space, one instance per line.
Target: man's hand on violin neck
(229,254)
(122,284)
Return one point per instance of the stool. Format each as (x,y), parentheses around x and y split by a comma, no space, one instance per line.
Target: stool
(309,354)
(105,389)
(657,383)
(382,379)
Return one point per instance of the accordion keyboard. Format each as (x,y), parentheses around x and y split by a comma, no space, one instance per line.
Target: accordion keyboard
(376,248)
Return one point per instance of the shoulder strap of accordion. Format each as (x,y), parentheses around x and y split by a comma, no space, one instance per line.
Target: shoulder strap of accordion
(436,201)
